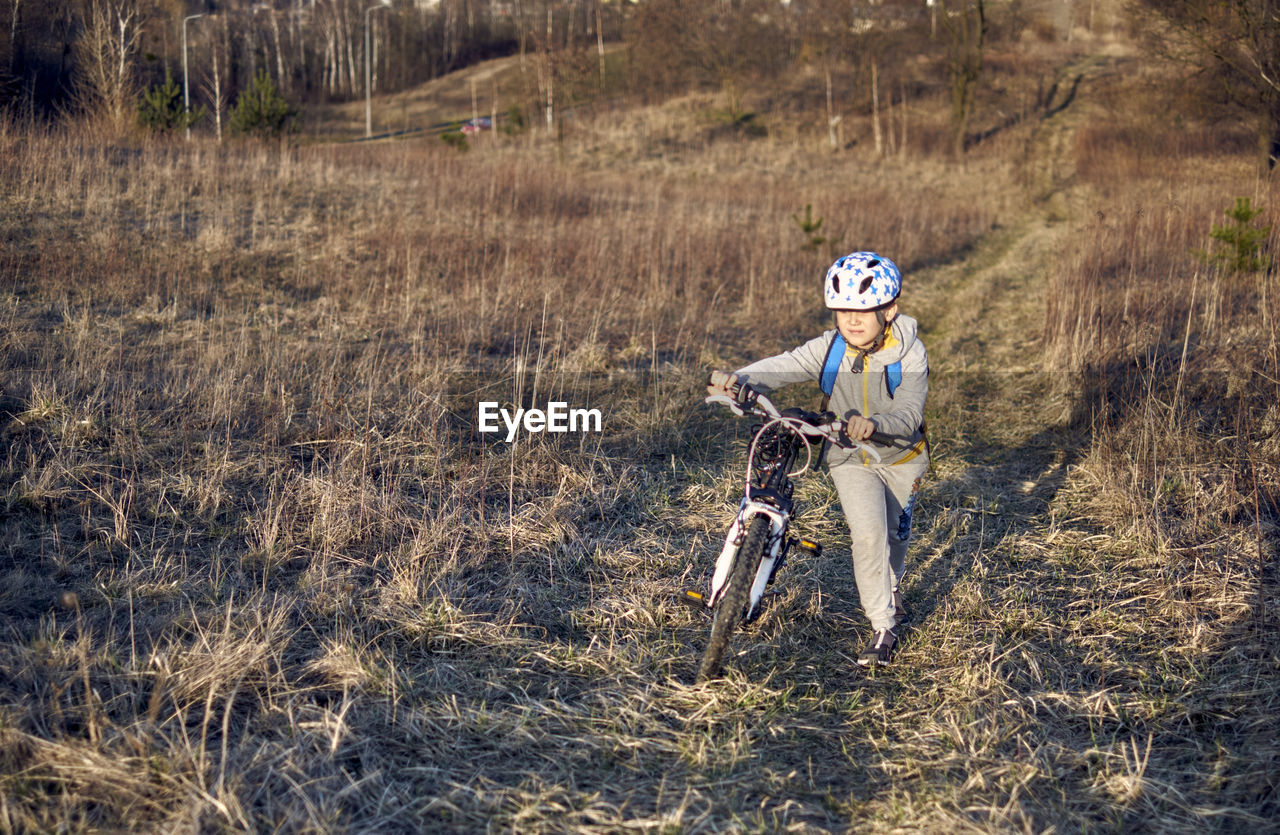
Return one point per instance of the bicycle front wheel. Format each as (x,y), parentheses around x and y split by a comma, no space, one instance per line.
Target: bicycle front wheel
(733,603)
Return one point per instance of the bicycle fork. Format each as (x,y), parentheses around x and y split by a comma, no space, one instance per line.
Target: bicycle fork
(778,522)
(775,554)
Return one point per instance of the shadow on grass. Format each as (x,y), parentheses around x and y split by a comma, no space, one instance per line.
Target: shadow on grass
(544,651)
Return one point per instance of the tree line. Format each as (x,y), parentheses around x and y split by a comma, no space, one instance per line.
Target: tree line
(62,55)
(106,56)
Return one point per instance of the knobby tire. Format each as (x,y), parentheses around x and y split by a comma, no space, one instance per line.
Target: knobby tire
(733,603)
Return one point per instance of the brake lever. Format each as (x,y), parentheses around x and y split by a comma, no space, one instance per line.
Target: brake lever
(745,395)
(725,400)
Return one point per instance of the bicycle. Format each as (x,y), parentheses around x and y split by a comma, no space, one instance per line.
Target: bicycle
(757,544)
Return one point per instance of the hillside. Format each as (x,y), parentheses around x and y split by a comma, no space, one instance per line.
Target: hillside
(261,569)
(498,84)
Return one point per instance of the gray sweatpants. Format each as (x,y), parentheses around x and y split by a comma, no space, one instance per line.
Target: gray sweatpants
(878,501)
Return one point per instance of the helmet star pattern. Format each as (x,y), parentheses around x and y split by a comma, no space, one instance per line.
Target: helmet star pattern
(862,281)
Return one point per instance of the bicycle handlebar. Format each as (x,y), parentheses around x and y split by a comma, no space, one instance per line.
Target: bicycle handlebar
(746,400)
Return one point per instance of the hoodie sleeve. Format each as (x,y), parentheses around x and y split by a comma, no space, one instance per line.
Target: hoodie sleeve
(906,413)
(800,364)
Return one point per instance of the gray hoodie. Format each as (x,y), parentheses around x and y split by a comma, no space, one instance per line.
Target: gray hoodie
(862,391)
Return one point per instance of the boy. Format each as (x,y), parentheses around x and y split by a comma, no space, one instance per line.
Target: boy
(875,374)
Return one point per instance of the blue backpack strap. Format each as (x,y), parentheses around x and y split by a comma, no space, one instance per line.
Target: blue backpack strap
(893,377)
(831,365)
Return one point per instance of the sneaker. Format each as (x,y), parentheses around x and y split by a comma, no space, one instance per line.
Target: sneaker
(880,650)
(900,612)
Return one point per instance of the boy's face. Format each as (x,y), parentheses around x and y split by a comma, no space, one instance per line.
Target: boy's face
(860,327)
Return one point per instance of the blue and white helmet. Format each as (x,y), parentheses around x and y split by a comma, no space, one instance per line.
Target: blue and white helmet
(862,281)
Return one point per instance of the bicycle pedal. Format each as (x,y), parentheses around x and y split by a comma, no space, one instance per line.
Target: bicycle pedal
(695,600)
(813,549)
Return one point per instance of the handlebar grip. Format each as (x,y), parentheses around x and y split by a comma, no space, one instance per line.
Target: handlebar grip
(742,394)
(875,437)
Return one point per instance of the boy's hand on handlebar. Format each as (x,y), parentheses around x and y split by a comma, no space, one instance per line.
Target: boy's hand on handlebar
(721,382)
(859,428)
(724,384)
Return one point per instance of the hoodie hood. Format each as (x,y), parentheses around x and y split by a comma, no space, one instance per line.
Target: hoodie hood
(902,336)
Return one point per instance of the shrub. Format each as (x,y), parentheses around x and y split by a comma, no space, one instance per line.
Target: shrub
(161,108)
(262,110)
(455,139)
(810,226)
(514,123)
(742,122)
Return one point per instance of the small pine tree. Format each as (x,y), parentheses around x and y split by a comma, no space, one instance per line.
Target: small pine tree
(810,226)
(161,108)
(261,110)
(1242,242)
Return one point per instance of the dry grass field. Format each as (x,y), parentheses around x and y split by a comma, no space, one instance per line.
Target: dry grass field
(260,571)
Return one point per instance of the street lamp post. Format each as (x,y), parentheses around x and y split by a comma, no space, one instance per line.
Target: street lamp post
(368,71)
(186,90)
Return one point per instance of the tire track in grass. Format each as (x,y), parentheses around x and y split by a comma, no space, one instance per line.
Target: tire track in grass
(1000,421)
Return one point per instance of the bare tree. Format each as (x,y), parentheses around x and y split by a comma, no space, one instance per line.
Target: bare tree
(105,59)
(547,67)
(965,25)
(215,91)
(15,22)
(314,53)
(875,109)
(281,78)
(1234,48)
(719,43)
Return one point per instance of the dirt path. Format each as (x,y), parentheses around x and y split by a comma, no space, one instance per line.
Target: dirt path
(986,311)
(1002,429)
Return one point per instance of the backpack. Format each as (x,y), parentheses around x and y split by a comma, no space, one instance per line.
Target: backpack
(831,365)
